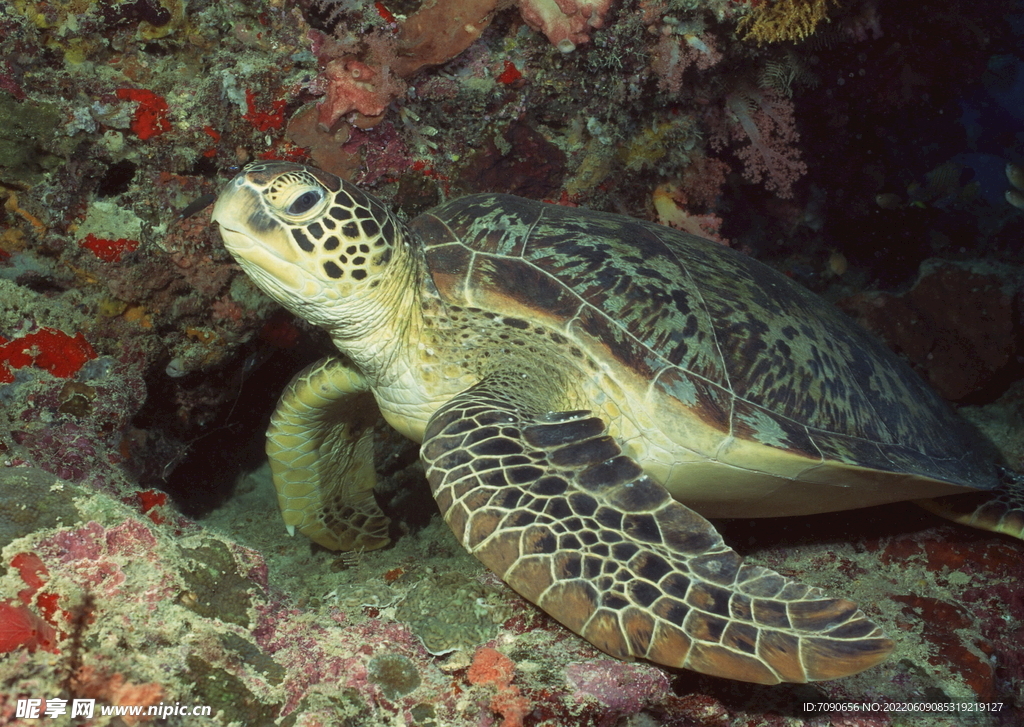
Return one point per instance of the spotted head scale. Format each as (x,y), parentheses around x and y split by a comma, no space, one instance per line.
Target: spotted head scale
(308,238)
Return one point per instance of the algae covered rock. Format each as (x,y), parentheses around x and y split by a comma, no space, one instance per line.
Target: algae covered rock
(33,499)
(26,140)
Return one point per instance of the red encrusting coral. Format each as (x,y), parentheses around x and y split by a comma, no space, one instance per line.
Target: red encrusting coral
(49,349)
(151,115)
(510,74)
(492,668)
(35,575)
(31,570)
(262,120)
(108,250)
(150,499)
(22,629)
(215,135)
(386,15)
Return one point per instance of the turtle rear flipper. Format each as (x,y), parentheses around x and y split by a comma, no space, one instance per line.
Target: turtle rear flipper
(320,447)
(1000,510)
(549,502)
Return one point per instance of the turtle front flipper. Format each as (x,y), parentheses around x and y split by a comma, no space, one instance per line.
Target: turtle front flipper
(320,446)
(549,502)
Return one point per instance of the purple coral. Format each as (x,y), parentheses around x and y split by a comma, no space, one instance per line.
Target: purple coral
(623,688)
(67,451)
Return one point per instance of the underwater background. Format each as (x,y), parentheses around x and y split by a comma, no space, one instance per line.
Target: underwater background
(872,150)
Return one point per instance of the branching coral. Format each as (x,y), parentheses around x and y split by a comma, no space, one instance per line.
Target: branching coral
(773,22)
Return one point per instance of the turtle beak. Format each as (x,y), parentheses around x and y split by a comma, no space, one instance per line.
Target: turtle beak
(256,239)
(231,202)
(239,208)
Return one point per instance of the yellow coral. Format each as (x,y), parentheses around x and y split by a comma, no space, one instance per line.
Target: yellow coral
(109,307)
(204,335)
(11,205)
(655,142)
(773,22)
(138,314)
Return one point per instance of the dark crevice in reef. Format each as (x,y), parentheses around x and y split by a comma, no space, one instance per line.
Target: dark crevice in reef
(209,428)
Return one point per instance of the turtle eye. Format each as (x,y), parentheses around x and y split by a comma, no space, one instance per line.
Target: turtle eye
(304,202)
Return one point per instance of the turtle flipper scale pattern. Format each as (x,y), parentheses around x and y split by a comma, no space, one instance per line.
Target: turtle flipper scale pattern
(549,502)
(320,448)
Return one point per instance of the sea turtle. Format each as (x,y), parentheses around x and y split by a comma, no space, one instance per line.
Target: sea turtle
(574,377)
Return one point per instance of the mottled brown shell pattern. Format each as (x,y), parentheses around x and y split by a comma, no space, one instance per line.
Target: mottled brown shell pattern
(748,349)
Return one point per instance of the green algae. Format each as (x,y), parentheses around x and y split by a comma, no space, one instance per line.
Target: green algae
(451,611)
(423,715)
(249,653)
(26,140)
(227,693)
(33,499)
(345,705)
(220,592)
(395,674)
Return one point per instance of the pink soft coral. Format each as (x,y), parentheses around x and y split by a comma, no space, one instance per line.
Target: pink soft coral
(674,54)
(766,120)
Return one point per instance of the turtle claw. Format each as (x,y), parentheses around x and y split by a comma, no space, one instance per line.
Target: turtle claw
(550,503)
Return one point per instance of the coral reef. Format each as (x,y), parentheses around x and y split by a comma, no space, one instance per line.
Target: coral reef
(143,560)
(566,24)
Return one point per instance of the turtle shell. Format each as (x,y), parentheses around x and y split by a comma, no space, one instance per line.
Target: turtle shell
(713,334)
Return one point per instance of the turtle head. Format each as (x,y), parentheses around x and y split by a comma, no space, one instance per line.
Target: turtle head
(313,242)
